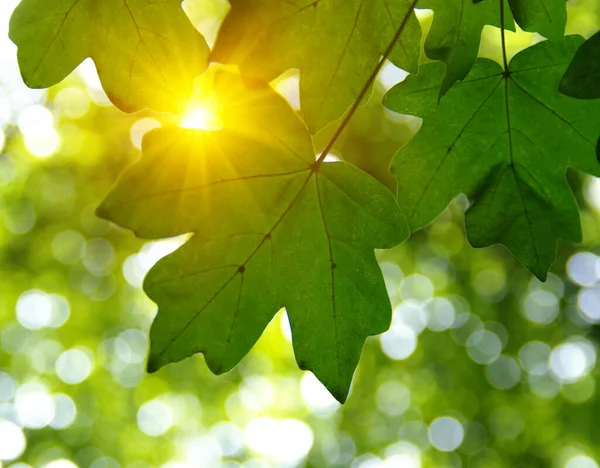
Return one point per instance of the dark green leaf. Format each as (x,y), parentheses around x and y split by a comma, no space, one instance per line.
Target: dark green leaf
(547,17)
(271,230)
(582,79)
(505,142)
(456,33)
(335,44)
(147,53)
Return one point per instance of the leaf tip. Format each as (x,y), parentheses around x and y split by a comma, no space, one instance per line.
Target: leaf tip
(564,87)
(539,271)
(153,365)
(542,275)
(340,396)
(215,366)
(339,390)
(102,211)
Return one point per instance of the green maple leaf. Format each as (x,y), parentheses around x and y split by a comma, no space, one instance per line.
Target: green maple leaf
(456,33)
(547,17)
(505,140)
(272,229)
(582,78)
(335,44)
(147,53)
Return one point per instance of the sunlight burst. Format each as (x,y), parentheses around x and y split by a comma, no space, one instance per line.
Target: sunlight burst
(202,117)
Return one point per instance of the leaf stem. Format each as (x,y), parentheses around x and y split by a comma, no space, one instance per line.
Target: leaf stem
(365,88)
(503,36)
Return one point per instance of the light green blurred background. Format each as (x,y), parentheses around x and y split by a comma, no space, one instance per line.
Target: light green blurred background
(483,367)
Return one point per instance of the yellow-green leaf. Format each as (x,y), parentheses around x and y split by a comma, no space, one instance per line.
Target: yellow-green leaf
(147,52)
(336,44)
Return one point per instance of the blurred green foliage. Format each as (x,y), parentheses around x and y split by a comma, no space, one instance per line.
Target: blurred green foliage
(484,366)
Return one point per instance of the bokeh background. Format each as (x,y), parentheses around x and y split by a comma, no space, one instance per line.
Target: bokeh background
(483,367)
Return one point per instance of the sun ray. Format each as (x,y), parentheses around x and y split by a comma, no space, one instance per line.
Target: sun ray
(201,116)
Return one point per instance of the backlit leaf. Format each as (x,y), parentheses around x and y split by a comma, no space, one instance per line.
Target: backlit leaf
(547,17)
(147,53)
(506,141)
(456,33)
(271,229)
(335,43)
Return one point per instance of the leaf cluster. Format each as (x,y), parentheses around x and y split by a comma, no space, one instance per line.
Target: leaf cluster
(274,225)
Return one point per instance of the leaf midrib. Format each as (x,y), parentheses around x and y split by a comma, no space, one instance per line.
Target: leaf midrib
(54,38)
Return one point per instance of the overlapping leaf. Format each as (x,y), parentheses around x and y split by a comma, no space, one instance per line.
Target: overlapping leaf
(582,78)
(456,33)
(335,43)
(547,17)
(147,53)
(271,229)
(505,140)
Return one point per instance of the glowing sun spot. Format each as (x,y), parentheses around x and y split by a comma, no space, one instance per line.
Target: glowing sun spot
(202,117)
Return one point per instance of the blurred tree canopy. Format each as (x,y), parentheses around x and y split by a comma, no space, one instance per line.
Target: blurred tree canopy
(484,365)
